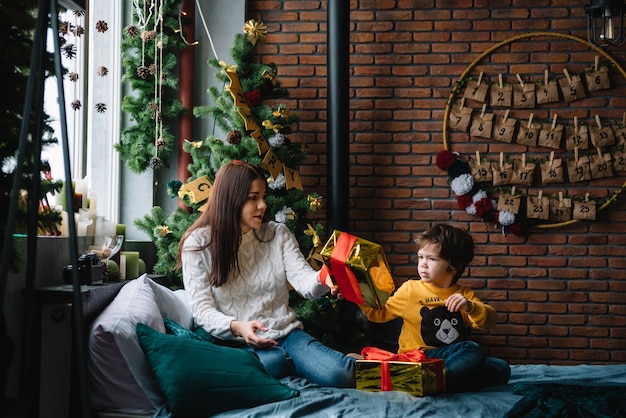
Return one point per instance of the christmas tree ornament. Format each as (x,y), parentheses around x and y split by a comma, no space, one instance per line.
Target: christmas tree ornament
(194,144)
(143,72)
(234,137)
(253,98)
(69,51)
(271,76)
(269,125)
(148,35)
(255,31)
(64,28)
(131,31)
(102,71)
(155,163)
(315,201)
(78,30)
(173,186)
(281,112)
(102,26)
(162,230)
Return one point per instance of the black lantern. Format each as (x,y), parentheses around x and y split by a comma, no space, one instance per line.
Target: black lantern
(605,22)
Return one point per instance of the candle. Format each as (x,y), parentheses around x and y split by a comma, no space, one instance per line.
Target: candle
(89,217)
(65,232)
(132,264)
(59,198)
(142,267)
(122,266)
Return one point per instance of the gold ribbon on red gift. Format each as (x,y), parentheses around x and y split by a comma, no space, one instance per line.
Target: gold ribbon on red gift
(384,356)
(345,278)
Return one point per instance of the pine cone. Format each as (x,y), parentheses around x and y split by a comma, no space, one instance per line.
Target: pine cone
(105,271)
(148,35)
(155,163)
(152,69)
(64,27)
(76,105)
(70,51)
(73,76)
(101,107)
(79,13)
(160,143)
(131,30)
(234,138)
(102,71)
(143,72)
(79,31)
(102,26)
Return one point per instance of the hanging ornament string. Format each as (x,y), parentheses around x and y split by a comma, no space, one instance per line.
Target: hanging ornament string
(140,10)
(158,81)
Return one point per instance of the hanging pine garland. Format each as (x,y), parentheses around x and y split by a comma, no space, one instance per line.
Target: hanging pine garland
(149,47)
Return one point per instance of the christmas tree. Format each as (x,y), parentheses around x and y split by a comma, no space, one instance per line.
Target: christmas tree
(257,134)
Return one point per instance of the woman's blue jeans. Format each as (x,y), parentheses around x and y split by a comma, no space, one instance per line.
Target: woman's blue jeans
(467,368)
(299,354)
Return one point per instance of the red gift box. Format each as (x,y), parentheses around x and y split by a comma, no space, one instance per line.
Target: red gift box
(411,372)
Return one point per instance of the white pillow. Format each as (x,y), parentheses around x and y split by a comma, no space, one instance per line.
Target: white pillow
(172,304)
(120,376)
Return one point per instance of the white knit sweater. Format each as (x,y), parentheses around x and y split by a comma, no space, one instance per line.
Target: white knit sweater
(260,292)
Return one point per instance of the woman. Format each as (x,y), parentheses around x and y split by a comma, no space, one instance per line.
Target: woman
(236,269)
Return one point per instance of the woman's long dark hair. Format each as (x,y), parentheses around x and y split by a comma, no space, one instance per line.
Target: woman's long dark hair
(223,217)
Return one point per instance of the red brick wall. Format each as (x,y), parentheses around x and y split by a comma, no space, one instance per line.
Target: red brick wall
(561,292)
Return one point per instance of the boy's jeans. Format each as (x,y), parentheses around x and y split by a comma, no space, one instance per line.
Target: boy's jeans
(467,368)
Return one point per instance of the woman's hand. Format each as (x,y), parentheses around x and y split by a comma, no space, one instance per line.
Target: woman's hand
(457,301)
(248,330)
(334,289)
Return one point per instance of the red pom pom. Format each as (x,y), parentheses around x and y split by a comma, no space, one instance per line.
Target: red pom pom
(253,98)
(483,206)
(463,201)
(445,159)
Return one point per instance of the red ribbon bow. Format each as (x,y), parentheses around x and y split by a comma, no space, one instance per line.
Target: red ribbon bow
(373,353)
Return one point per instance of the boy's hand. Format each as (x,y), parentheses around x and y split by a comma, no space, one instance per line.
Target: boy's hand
(457,301)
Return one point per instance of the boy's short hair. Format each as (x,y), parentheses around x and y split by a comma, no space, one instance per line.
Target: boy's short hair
(456,246)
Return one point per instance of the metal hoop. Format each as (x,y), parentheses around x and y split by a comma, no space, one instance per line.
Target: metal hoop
(469,68)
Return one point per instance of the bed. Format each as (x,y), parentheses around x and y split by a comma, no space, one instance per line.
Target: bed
(146,370)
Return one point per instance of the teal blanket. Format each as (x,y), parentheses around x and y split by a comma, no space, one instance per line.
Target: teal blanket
(554,400)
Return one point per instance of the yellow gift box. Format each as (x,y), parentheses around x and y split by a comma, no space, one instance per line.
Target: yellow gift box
(385,371)
(360,269)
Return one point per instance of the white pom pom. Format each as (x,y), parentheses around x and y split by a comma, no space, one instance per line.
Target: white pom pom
(462,184)
(506,218)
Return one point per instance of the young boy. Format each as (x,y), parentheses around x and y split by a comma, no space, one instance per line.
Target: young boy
(438,314)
